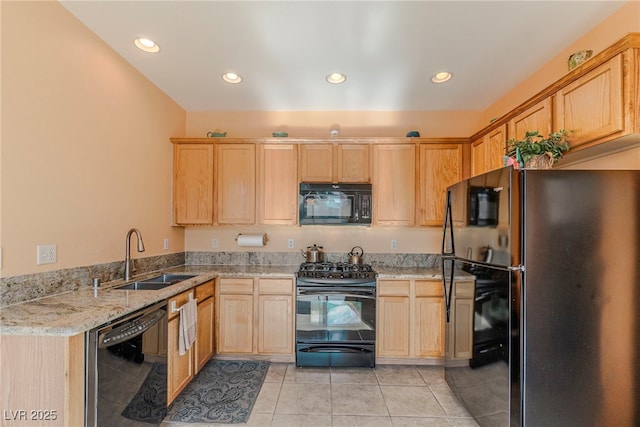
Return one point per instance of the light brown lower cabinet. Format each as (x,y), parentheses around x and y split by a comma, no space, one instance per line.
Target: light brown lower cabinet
(410,318)
(263,305)
(460,328)
(182,368)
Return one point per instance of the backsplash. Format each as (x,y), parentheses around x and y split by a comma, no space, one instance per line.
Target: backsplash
(19,289)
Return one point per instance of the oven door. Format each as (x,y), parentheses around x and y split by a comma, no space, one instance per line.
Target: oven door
(335,326)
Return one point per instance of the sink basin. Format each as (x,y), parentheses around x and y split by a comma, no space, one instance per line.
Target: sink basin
(145,286)
(157,282)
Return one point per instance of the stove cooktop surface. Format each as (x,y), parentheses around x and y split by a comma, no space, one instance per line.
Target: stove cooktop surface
(335,270)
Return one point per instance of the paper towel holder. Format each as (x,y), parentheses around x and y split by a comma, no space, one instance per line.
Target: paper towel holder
(265,238)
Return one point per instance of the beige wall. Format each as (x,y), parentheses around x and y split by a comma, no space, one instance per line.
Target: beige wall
(85,145)
(609,31)
(430,124)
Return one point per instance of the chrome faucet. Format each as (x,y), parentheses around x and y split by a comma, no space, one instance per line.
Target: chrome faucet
(127,259)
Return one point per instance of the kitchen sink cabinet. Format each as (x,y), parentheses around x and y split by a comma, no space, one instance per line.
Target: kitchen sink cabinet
(538,117)
(43,381)
(182,368)
(344,163)
(410,318)
(487,152)
(264,305)
(440,167)
(235,187)
(193,183)
(278,184)
(394,183)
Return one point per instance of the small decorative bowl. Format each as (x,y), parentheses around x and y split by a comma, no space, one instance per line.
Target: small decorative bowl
(578,58)
(280,134)
(216,134)
(413,134)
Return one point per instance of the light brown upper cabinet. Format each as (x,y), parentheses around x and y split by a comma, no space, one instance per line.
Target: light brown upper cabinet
(440,167)
(334,163)
(193,183)
(278,184)
(236,183)
(488,151)
(394,184)
(539,117)
(592,106)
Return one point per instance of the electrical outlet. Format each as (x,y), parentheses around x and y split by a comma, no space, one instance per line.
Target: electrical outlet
(47,254)
(165,244)
(290,243)
(394,244)
(215,243)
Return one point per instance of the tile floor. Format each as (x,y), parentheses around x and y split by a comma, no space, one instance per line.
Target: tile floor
(387,396)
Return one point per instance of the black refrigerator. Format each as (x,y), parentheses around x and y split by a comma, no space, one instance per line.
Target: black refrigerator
(556,322)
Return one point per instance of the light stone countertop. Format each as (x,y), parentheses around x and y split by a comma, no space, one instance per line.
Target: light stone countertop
(75,312)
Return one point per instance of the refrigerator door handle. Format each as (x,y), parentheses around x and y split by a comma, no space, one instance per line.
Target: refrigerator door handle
(448,227)
(447,292)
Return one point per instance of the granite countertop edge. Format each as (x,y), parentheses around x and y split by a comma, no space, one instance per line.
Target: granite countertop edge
(78,311)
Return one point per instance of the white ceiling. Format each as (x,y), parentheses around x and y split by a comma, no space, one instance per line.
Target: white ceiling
(388,49)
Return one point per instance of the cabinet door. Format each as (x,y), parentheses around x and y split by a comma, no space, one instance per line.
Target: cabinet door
(353,163)
(236,183)
(440,167)
(235,324)
(205,337)
(478,157)
(180,369)
(429,327)
(538,118)
(394,169)
(316,162)
(193,183)
(495,146)
(393,326)
(278,184)
(592,106)
(463,334)
(275,324)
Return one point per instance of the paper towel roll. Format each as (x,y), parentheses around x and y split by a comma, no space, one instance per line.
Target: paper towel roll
(252,239)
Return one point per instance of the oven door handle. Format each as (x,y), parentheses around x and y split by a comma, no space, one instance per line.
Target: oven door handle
(350,294)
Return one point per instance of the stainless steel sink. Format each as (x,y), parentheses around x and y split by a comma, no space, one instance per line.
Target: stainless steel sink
(155,283)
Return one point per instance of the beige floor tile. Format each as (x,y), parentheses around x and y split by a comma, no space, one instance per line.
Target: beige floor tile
(276,372)
(302,398)
(432,375)
(357,399)
(398,375)
(360,421)
(286,420)
(449,401)
(307,375)
(421,422)
(411,401)
(267,398)
(257,420)
(353,376)
(466,422)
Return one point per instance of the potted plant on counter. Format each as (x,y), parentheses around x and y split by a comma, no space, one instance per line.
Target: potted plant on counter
(535,151)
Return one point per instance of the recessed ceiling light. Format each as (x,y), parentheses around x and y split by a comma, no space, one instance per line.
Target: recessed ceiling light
(231,78)
(146,45)
(441,77)
(336,78)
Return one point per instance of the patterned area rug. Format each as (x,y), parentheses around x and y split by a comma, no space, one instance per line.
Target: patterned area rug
(224,391)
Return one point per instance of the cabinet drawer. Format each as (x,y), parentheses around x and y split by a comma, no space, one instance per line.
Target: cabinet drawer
(428,288)
(275,286)
(236,286)
(464,289)
(177,302)
(393,287)
(204,291)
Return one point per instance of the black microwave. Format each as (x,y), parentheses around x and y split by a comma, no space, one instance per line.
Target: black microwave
(335,204)
(483,206)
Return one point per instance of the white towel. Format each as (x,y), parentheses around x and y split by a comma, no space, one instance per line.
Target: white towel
(188,326)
